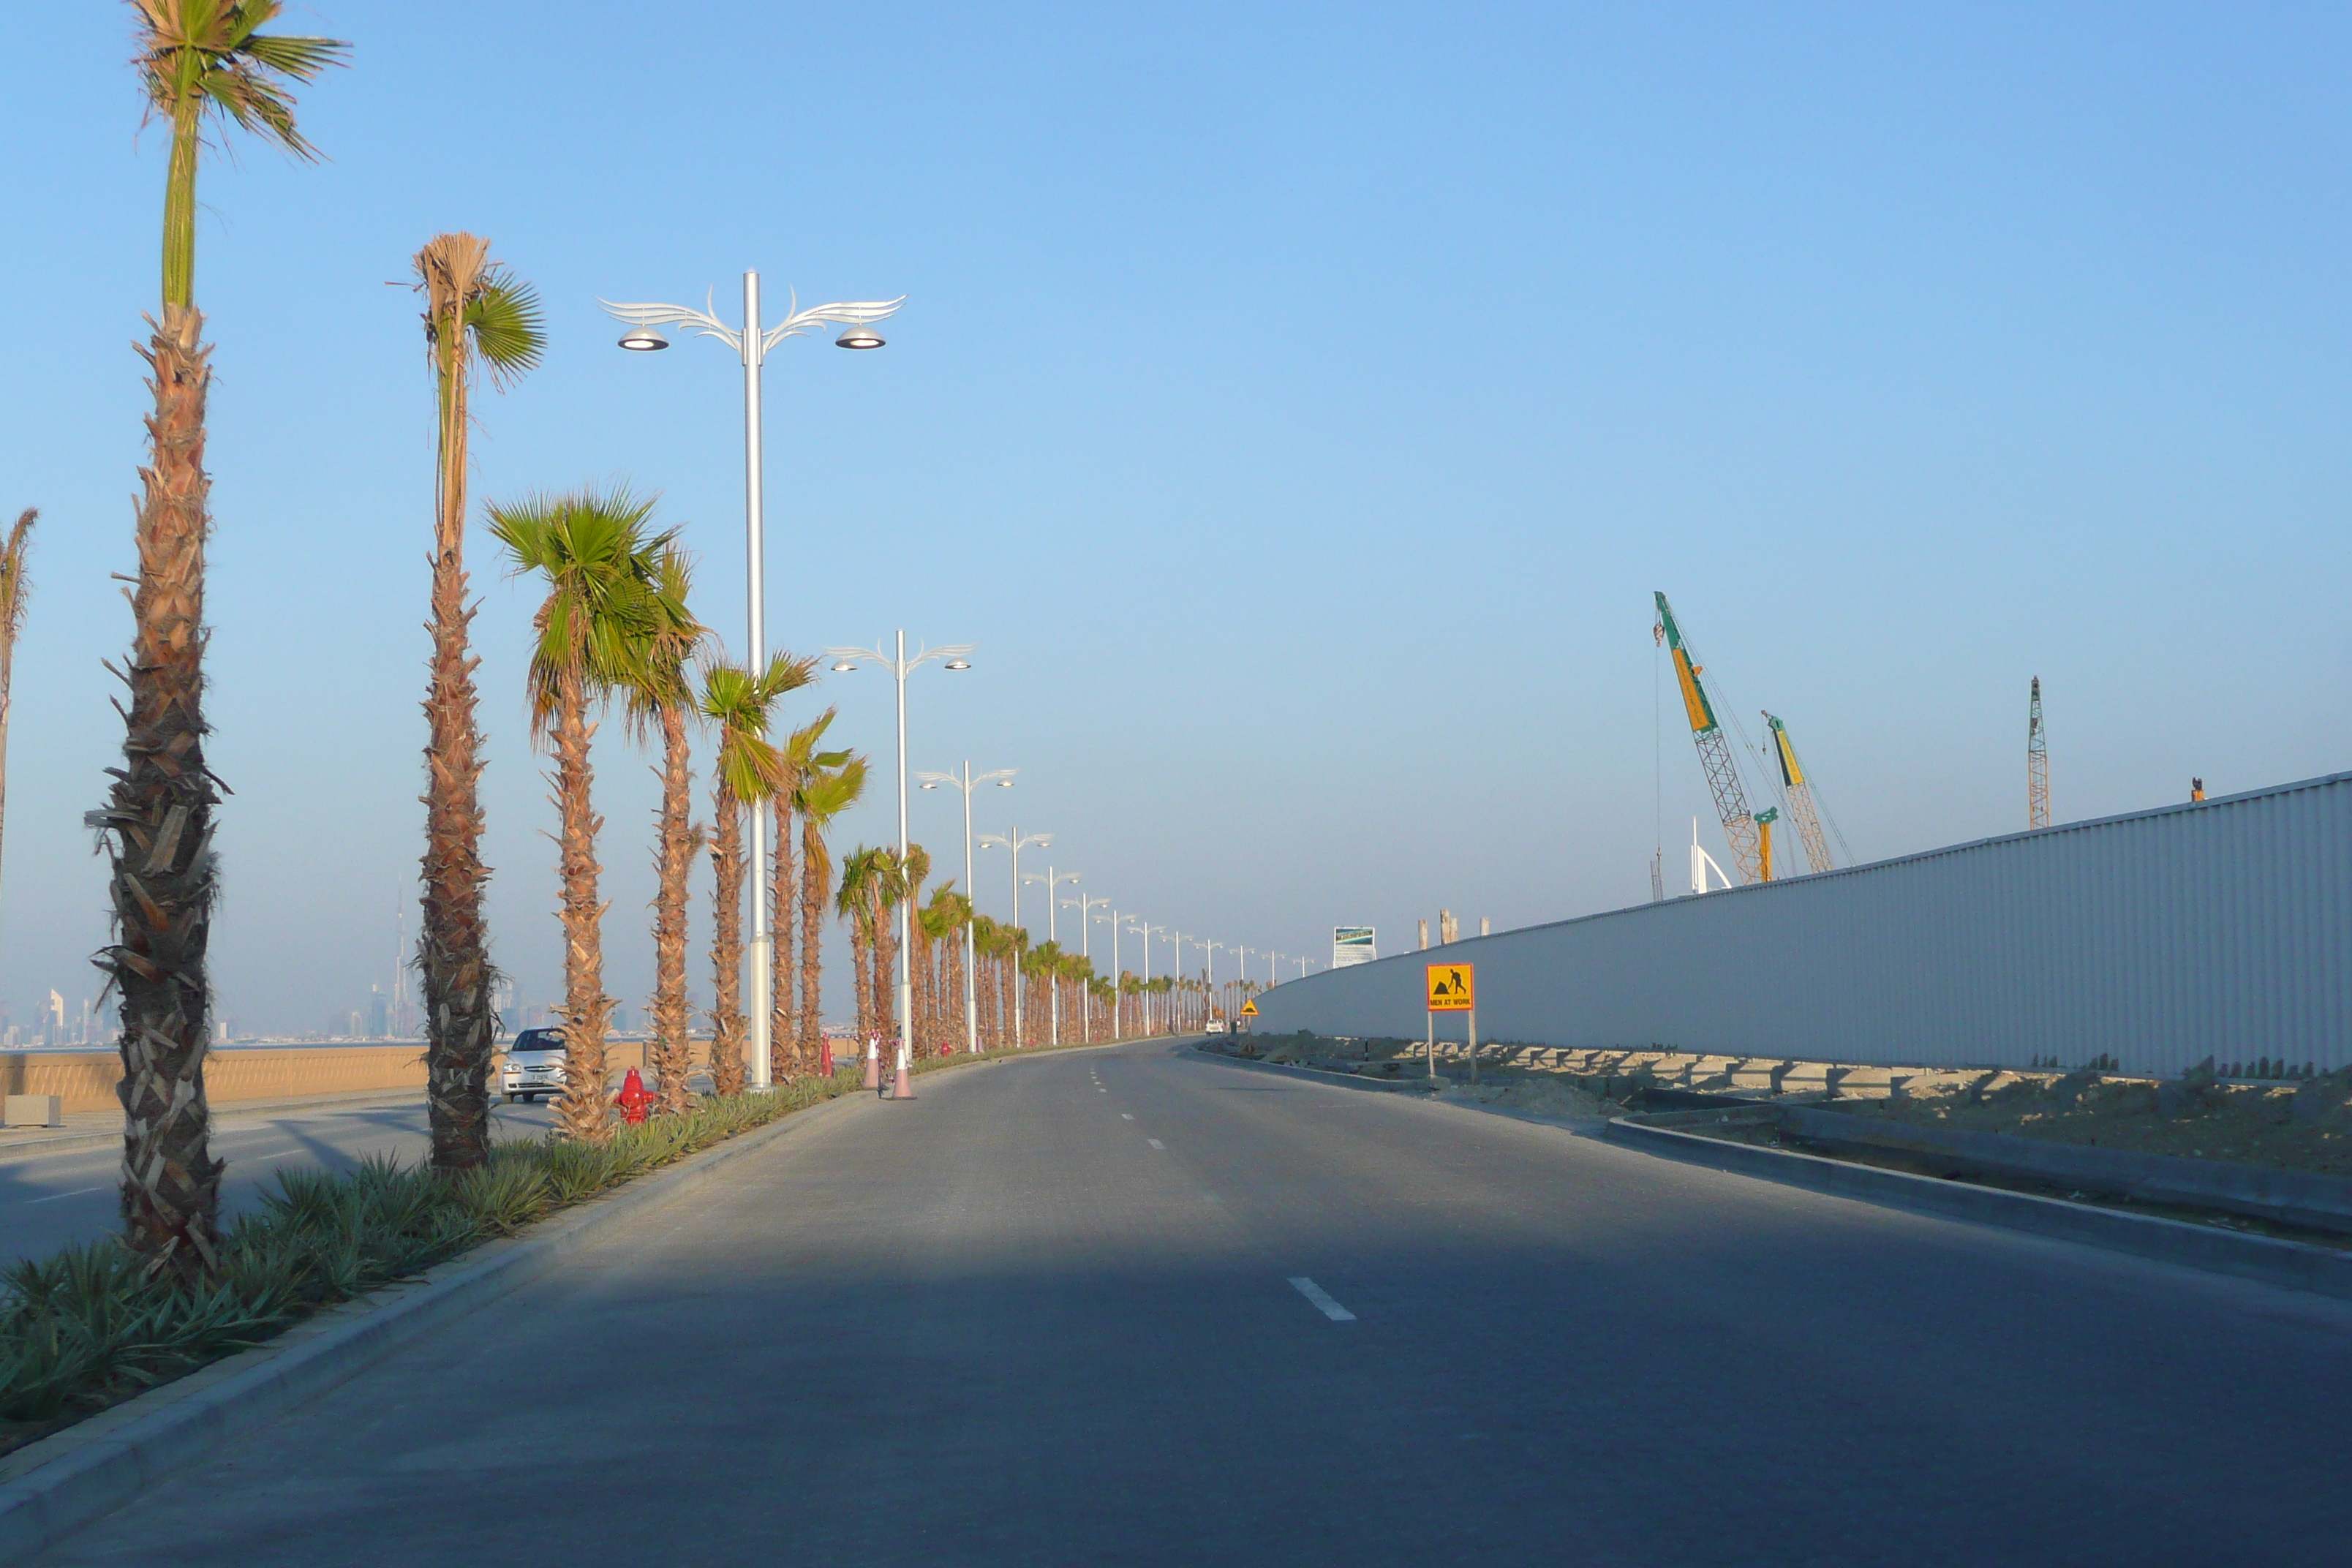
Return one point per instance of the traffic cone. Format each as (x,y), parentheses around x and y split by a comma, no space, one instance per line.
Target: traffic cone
(902,1089)
(824,1054)
(873,1061)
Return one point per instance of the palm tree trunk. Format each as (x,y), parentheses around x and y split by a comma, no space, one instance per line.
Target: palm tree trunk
(453,958)
(674,865)
(782,889)
(727,944)
(12,620)
(812,961)
(582,1113)
(862,963)
(886,968)
(159,817)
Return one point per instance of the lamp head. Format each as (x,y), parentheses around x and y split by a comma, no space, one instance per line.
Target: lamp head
(958,664)
(931,787)
(643,340)
(858,335)
(1004,784)
(843,666)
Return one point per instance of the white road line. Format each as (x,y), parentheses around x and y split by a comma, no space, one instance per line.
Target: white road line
(53,1197)
(1156,1143)
(1127,1116)
(1322,1299)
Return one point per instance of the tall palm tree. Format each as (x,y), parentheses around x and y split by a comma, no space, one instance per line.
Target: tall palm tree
(826,790)
(662,699)
(745,774)
(476,316)
(13,588)
(200,62)
(856,904)
(596,630)
(799,764)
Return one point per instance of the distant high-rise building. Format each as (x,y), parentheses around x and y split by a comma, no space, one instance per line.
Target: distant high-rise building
(379,1017)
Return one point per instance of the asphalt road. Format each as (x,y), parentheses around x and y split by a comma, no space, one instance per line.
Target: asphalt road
(47,1201)
(1137,1307)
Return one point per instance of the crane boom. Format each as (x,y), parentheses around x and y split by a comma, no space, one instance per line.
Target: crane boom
(1800,795)
(1714,758)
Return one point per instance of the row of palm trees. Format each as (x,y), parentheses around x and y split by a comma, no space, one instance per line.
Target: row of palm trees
(615,625)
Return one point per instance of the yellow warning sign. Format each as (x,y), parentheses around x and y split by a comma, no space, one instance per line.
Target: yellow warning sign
(1249,1010)
(1453,988)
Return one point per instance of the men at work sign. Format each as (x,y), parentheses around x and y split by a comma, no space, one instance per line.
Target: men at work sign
(1453,988)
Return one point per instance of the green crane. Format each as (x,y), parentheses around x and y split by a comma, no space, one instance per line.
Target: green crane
(1714,758)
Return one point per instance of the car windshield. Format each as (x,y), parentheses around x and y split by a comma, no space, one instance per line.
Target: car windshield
(537,1040)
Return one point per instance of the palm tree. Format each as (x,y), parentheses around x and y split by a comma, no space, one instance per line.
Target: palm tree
(475,314)
(856,902)
(14,587)
(596,630)
(199,61)
(745,774)
(800,764)
(826,790)
(663,697)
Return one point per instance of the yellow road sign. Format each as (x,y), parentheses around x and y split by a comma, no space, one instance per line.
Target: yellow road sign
(1453,988)
(1249,1010)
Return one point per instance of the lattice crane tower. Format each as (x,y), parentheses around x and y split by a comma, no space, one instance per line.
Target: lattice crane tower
(1715,756)
(1801,796)
(2037,765)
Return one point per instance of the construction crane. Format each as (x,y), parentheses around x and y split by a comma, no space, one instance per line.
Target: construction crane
(1764,821)
(2037,765)
(1715,756)
(1799,796)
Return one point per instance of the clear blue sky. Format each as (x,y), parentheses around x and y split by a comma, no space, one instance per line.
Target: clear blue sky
(1298,407)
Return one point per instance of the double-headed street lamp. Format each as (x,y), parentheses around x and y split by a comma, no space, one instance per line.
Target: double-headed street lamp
(846,659)
(1053,934)
(1016,843)
(1116,975)
(1146,929)
(1002,779)
(752,346)
(1086,906)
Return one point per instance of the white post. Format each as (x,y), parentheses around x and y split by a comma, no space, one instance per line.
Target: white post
(971,948)
(1013,842)
(1053,988)
(907,899)
(760,1071)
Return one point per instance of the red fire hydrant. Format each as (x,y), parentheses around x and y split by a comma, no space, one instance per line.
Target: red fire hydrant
(632,1099)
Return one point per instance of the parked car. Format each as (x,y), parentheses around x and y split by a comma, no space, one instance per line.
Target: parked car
(1216,1025)
(534,1065)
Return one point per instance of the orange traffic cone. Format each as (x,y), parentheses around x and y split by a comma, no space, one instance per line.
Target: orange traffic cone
(874,1061)
(902,1089)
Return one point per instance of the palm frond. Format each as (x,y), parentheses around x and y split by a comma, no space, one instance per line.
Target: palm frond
(508,326)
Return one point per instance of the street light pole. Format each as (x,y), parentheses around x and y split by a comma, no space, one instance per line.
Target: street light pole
(1016,843)
(1086,907)
(1052,989)
(752,346)
(846,659)
(1002,779)
(1116,974)
(1145,928)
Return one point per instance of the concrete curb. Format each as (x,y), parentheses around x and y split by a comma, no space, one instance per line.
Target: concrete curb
(2296,1265)
(1317,1075)
(50,1489)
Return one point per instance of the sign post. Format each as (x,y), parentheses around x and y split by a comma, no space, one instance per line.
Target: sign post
(1453,988)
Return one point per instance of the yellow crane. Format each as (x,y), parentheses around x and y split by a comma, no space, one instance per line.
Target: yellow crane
(1714,759)
(1799,796)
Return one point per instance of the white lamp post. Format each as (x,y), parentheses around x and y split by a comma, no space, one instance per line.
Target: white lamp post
(1015,842)
(1002,779)
(1086,907)
(1116,974)
(846,660)
(1053,988)
(752,346)
(1145,928)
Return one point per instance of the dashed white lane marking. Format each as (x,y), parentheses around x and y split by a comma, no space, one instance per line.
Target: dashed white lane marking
(1127,1116)
(1156,1143)
(53,1197)
(1322,1299)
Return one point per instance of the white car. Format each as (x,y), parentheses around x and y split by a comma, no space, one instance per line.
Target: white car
(1216,1025)
(534,1065)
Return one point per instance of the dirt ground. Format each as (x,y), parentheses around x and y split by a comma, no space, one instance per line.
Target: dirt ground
(2248,1124)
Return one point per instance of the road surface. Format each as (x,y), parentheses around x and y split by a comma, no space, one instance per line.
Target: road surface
(49,1200)
(1139,1306)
